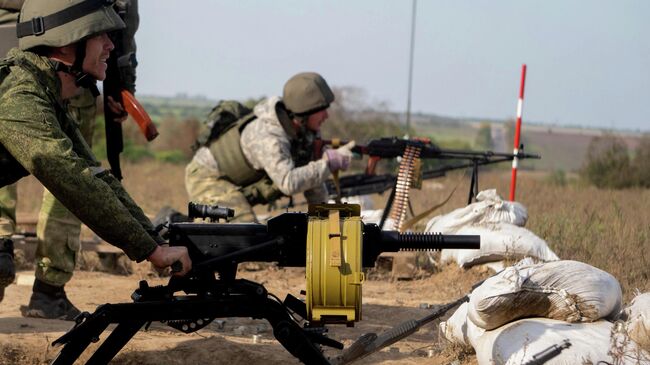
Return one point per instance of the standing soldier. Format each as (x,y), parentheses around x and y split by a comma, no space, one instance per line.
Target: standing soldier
(269,154)
(63,48)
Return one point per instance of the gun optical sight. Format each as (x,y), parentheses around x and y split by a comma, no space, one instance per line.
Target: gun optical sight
(212,212)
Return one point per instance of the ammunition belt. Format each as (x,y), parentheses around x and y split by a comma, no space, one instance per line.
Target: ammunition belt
(405,178)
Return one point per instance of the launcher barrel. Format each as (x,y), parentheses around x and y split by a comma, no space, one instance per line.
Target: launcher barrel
(376,241)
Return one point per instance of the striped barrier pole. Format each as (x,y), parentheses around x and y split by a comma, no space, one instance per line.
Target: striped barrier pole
(520,106)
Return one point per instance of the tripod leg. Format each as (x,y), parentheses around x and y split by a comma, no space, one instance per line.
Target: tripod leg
(73,348)
(115,342)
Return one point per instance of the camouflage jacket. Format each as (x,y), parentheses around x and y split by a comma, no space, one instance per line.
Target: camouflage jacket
(267,147)
(38,137)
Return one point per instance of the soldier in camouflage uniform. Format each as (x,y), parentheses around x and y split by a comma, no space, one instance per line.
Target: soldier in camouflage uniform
(58,229)
(262,158)
(63,47)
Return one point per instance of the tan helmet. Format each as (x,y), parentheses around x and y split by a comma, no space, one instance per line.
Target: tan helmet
(307,93)
(57,23)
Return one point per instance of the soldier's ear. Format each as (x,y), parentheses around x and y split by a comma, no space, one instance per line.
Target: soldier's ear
(65,54)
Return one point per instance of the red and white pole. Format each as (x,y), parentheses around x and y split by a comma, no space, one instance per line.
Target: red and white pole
(520,107)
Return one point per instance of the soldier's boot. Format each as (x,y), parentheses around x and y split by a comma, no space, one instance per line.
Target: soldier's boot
(49,301)
(7,268)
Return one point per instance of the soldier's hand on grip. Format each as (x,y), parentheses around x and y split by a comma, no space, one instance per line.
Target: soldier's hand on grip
(118,109)
(164,256)
(339,159)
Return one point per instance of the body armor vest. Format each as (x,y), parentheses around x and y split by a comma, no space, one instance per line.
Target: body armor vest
(256,185)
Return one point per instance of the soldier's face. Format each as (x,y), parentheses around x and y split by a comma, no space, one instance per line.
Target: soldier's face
(98,48)
(315,120)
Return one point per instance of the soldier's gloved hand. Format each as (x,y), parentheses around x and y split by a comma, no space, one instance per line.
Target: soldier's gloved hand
(339,159)
(164,256)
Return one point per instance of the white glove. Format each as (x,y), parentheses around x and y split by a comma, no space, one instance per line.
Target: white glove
(339,159)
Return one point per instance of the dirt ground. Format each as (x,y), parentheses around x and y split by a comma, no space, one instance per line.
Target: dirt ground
(386,303)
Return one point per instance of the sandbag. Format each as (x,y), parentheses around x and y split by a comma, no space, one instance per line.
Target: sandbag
(518,342)
(365,201)
(636,319)
(489,208)
(500,241)
(374,216)
(566,290)
(458,329)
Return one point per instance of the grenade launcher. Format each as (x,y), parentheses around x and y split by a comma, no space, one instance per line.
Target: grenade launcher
(330,242)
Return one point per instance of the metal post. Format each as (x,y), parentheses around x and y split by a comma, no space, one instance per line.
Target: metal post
(520,107)
(410,85)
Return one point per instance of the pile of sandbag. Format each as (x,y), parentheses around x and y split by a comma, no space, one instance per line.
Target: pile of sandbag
(374,216)
(489,208)
(529,308)
(501,227)
(635,320)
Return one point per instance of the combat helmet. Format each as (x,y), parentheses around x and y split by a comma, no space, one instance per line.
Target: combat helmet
(57,23)
(307,93)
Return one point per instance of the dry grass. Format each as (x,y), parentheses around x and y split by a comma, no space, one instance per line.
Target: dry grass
(609,229)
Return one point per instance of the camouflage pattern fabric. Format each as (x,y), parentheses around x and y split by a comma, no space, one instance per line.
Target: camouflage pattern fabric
(206,186)
(58,229)
(267,146)
(7,211)
(38,134)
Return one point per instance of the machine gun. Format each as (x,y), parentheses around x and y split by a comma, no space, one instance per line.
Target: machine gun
(410,173)
(330,241)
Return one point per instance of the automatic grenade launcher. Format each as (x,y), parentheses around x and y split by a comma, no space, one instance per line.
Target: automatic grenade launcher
(330,241)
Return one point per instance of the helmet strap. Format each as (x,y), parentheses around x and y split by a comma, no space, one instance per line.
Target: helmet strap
(81,78)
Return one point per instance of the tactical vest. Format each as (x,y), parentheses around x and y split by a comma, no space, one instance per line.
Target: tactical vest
(230,157)
(256,185)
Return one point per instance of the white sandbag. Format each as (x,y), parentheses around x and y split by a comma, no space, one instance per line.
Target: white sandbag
(499,242)
(518,342)
(570,291)
(636,319)
(489,208)
(374,216)
(454,329)
(365,201)
(458,329)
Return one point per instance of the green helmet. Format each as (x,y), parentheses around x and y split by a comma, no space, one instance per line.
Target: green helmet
(57,23)
(307,93)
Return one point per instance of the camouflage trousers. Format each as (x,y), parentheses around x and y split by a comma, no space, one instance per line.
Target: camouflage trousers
(7,211)
(206,186)
(57,229)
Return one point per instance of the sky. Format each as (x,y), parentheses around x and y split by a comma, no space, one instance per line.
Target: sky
(588,60)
